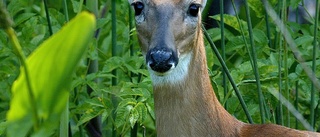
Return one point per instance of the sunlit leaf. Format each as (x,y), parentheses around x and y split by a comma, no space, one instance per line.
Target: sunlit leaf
(51,67)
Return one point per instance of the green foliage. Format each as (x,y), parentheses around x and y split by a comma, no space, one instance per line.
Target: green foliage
(128,102)
(268,65)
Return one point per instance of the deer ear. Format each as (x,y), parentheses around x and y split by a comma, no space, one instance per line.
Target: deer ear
(130,1)
(204,2)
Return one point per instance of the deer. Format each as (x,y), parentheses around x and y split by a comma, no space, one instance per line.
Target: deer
(171,41)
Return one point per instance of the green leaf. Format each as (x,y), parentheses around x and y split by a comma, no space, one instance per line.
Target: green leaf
(113,63)
(3,126)
(150,108)
(257,7)
(123,111)
(142,109)
(15,6)
(51,67)
(304,40)
(232,22)
(76,6)
(90,114)
(294,3)
(260,36)
(134,116)
(23,17)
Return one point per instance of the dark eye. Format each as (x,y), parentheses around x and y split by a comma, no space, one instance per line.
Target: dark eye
(138,7)
(194,10)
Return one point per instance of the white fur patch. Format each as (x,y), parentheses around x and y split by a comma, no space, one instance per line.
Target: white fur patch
(174,75)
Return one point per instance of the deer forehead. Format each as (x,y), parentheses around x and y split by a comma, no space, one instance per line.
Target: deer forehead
(174,2)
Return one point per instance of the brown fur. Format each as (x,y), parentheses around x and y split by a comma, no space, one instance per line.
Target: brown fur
(190,107)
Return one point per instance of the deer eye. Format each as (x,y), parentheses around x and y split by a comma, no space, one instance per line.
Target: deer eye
(138,7)
(194,9)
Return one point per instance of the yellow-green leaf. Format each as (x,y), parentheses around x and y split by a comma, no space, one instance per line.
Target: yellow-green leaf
(50,67)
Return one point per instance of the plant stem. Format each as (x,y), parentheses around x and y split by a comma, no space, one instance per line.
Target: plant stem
(114,46)
(64,121)
(65,9)
(48,16)
(94,125)
(224,66)
(18,49)
(292,44)
(297,101)
(114,36)
(314,57)
(291,108)
(268,31)
(223,47)
(80,6)
(285,62)
(255,64)
(134,130)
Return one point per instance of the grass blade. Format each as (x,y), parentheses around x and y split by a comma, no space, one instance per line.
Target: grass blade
(314,57)
(226,70)
(311,75)
(254,63)
(290,107)
(223,47)
(48,16)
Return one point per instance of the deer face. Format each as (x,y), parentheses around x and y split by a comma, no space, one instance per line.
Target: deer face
(167,31)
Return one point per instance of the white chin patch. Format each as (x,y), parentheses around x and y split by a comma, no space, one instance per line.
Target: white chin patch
(175,75)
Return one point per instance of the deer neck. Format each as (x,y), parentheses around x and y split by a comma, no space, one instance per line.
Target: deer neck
(189,107)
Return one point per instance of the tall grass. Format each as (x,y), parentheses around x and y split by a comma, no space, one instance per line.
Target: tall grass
(283,46)
(289,40)
(254,63)
(223,49)
(314,64)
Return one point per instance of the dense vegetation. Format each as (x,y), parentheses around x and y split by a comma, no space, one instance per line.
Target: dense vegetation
(110,92)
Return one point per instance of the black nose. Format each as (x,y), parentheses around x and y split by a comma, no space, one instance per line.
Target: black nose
(161,59)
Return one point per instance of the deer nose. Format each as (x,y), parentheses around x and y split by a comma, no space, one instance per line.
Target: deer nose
(161,59)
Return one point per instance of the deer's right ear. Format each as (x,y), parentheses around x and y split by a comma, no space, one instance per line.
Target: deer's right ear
(130,1)
(204,2)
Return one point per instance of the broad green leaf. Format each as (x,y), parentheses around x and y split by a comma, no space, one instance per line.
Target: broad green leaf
(294,3)
(15,6)
(260,36)
(142,109)
(23,17)
(113,63)
(233,22)
(76,6)
(134,116)
(257,7)
(123,111)
(90,114)
(150,108)
(51,67)
(304,40)
(235,44)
